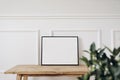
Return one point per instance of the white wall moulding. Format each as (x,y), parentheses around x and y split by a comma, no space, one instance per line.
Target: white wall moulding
(87,16)
(19,47)
(92,34)
(115,38)
(19,30)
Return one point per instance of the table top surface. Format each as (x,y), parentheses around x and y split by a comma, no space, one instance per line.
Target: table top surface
(37,69)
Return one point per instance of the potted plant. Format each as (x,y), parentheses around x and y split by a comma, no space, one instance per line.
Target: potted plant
(101,66)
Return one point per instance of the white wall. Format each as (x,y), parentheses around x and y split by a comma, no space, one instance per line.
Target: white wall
(20,20)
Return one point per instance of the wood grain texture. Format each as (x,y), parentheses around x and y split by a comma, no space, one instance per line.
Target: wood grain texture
(25,77)
(37,70)
(19,77)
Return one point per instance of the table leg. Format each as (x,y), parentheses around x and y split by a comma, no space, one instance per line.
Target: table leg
(19,77)
(25,77)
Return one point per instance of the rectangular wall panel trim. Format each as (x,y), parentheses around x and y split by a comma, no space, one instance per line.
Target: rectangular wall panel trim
(82,30)
(28,30)
(113,42)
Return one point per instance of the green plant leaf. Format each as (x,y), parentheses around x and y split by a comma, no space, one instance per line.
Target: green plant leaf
(104,56)
(85,60)
(86,76)
(86,51)
(102,50)
(115,72)
(101,66)
(93,47)
(116,51)
(100,53)
(109,49)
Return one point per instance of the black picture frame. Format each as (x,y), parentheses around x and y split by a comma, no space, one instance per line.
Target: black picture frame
(50,42)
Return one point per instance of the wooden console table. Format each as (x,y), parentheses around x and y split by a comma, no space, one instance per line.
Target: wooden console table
(36,70)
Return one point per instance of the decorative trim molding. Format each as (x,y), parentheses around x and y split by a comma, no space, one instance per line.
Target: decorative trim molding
(86,16)
(18,30)
(38,38)
(89,30)
(113,37)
